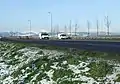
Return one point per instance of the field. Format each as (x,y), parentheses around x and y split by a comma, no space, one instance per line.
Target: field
(41,64)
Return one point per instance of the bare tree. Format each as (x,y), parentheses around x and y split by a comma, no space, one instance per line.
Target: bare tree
(75,28)
(54,29)
(11,33)
(107,23)
(30,26)
(65,29)
(57,29)
(70,27)
(51,20)
(97,24)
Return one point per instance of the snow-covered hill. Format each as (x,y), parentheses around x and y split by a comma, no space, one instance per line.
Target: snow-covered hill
(22,64)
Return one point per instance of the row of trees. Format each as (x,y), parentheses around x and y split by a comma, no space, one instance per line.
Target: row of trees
(68,29)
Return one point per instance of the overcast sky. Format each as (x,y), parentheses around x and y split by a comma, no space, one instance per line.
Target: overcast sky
(14,14)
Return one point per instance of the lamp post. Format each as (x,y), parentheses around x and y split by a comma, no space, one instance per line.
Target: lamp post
(88,25)
(51,21)
(70,27)
(97,27)
(30,26)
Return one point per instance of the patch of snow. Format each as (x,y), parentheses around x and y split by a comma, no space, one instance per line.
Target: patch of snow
(50,73)
(75,68)
(23,71)
(30,54)
(55,66)
(45,81)
(64,62)
(27,68)
(34,78)
(8,80)
(3,70)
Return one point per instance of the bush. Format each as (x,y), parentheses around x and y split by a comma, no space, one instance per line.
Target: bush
(71,82)
(100,69)
(118,79)
(60,73)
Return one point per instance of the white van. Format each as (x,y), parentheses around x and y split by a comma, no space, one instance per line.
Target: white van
(63,36)
(43,35)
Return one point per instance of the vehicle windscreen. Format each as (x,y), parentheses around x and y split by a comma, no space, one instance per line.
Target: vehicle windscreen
(63,35)
(44,34)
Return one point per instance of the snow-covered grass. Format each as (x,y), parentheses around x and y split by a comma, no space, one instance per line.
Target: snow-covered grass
(20,63)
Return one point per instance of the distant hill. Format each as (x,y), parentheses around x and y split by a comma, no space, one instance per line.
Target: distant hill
(7,34)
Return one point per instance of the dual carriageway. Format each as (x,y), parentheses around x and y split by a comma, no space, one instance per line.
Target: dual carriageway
(92,45)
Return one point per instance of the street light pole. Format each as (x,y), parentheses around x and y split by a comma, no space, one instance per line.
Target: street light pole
(70,27)
(51,21)
(88,25)
(30,26)
(97,27)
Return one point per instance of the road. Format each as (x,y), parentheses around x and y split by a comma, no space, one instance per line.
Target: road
(104,46)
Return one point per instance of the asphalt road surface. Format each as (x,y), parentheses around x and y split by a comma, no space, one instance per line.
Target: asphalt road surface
(104,46)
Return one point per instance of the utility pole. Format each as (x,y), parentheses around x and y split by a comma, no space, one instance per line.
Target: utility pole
(51,21)
(75,29)
(30,26)
(97,24)
(88,26)
(107,24)
(70,27)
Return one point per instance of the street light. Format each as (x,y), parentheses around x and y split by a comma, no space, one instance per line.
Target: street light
(51,21)
(97,27)
(88,25)
(30,26)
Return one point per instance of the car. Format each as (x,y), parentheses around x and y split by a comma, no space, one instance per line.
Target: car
(63,36)
(44,35)
(0,38)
